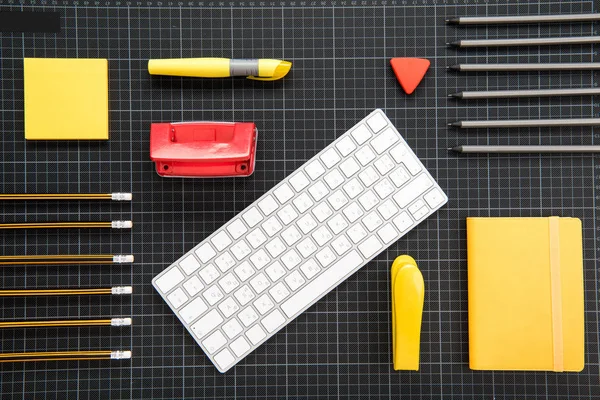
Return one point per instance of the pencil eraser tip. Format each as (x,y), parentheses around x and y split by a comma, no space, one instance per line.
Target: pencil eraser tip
(122,290)
(120,322)
(120,355)
(121,196)
(121,224)
(123,258)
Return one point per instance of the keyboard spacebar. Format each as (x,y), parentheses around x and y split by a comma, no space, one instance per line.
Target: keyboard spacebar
(321,285)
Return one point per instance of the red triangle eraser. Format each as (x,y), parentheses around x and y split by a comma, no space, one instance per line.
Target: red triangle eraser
(409,71)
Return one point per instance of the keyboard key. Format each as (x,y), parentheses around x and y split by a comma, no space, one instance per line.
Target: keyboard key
(275,271)
(224,359)
(415,206)
(345,146)
(387,233)
(283,193)
(341,245)
(256,238)
(239,346)
(306,247)
(232,328)
(263,304)
(299,181)
(228,283)
(399,176)
(384,164)
(337,200)
(314,169)
(279,292)
(240,250)
(169,280)
(307,223)
(244,271)
(193,310)
(189,264)
(177,298)
(420,213)
(291,259)
(255,334)
(353,188)
(337,224)
(330,157)
(322,212)
(368,200)
(384,140)
(387,209)
(322,236)
(275,247)
(372,221)
(434,198)
(287,214)
(228,307)
(244,295)
(220,241)
(225,261)
(248,316)
(412,190)
(368,176)
(310,269)
(291,235)
(236,229)
(334,179)
(370,247)
(403,155)
(303,202)
(318,191)
(361,134)
(353,212)
(252,217)
(268,205)
(209,274)
(377,122)
(349,167)
(213,295)
(214,342)
(384,188)
(205,252)
(193,286)
(260,259)
(207,323)
(357,233)
(260,283)
(273,321)
(271,226)
(365,155)
(294,280)
(403,221)
(325,256)
(320,285)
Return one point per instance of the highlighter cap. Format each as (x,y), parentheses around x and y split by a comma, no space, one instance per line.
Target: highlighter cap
(271,70)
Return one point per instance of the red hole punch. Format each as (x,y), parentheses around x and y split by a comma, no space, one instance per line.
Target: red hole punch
(203,149)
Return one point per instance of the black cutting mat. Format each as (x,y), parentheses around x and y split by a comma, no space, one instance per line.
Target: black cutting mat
(340,348)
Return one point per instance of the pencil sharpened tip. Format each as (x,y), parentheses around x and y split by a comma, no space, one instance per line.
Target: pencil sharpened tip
(454,124)
(452,20)
(457,149)
(455,67)
(453,95)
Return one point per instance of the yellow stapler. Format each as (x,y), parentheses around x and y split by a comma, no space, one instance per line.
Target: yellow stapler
(408,291)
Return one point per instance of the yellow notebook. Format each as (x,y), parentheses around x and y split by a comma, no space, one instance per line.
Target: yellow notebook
(66,98)
(525,294)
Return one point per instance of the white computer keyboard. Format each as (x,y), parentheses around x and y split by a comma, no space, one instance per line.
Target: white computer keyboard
(301,239)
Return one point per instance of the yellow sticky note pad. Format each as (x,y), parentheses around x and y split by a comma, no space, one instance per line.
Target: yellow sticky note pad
(66,99)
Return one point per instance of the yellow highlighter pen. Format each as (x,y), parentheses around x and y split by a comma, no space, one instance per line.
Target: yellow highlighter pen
(258,69)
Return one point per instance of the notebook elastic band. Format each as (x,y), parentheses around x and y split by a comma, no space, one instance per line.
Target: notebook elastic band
(556,294)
